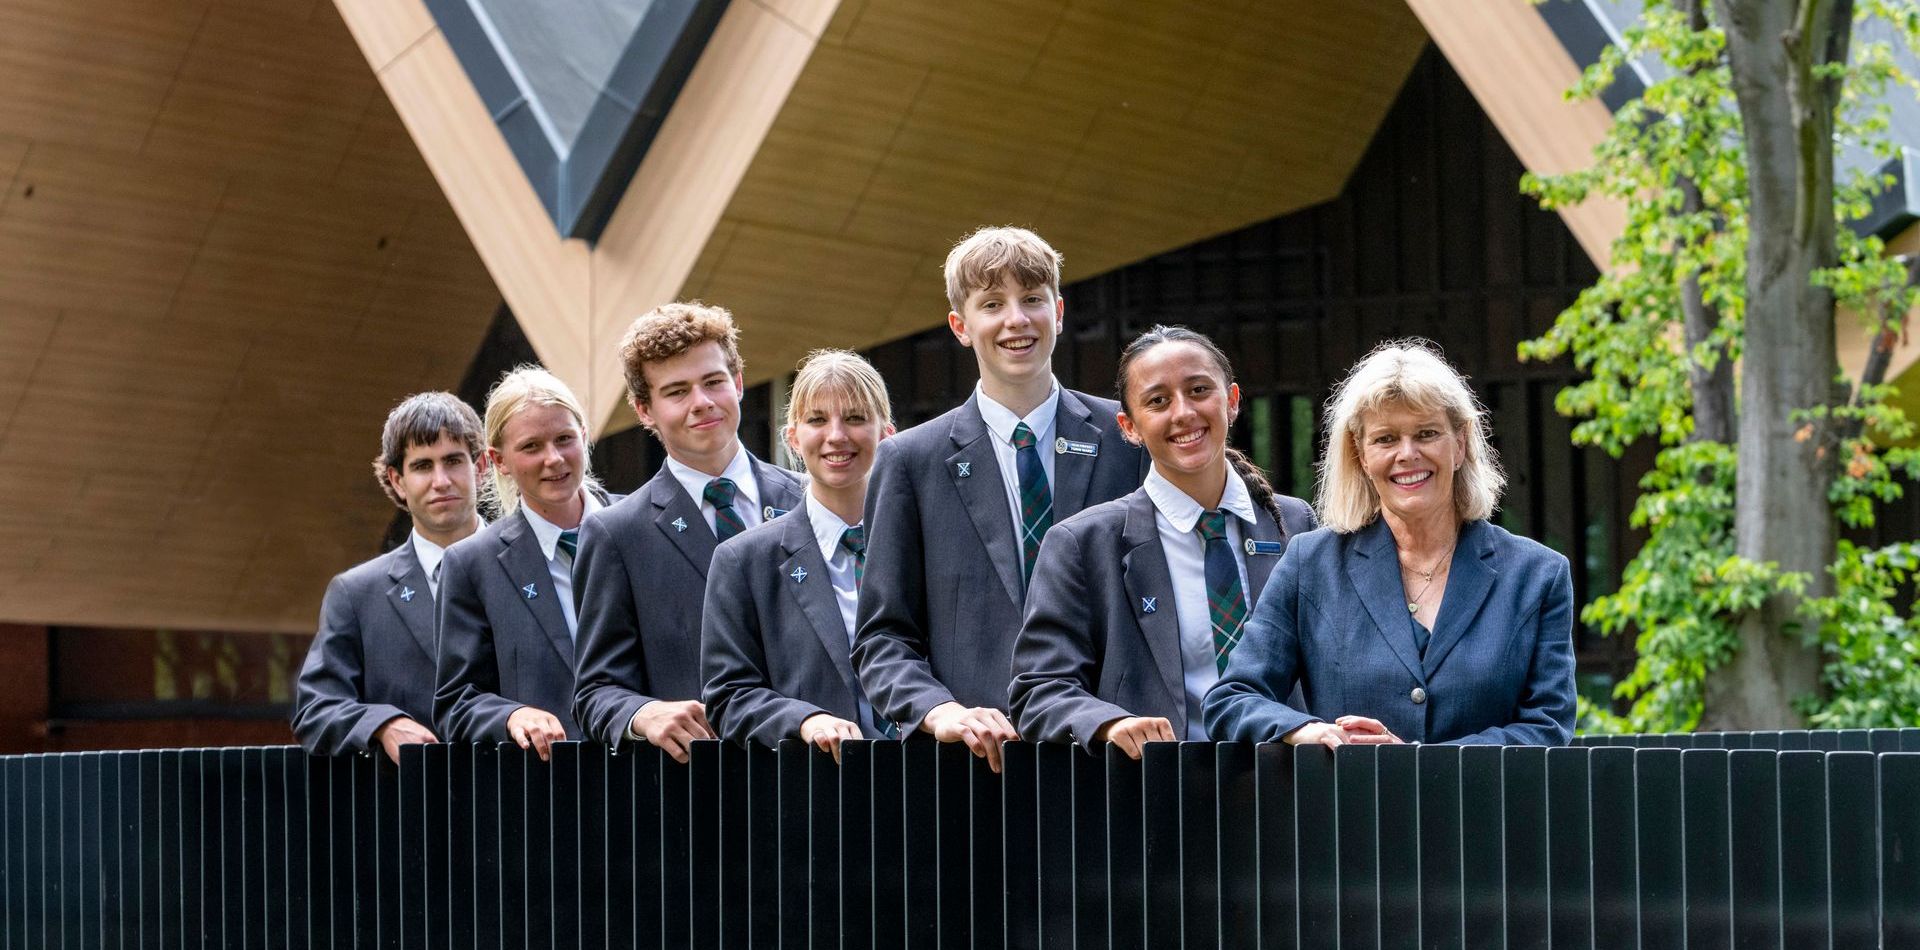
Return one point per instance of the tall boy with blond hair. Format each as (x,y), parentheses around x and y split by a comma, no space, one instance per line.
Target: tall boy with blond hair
(956,506)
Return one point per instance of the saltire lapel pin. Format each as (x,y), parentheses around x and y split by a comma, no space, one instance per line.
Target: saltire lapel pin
(799,574)
(965,468)
(679,524)
(1265,547)
(531,591)
(1149,604)
(406,595)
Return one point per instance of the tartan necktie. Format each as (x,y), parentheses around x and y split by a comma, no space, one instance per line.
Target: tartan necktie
(1226,606)
(726,521)
(569,544)
(854,539)
(1036,497)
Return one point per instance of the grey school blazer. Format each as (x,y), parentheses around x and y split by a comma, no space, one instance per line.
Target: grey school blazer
(639,583)
(1090,652)
(372,659)
(773,646)
(503,637)
(1498,670)
(943,593)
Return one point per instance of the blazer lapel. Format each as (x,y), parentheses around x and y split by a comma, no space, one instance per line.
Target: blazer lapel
(1072,472)
(1260,566)
(984,496)
(526,567)
(1150,584)
(678,517)
(1375,572)
(815,594)
(410,596)
(1469,581)
(776,491)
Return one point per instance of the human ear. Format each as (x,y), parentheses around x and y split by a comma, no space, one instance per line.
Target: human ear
(958,325)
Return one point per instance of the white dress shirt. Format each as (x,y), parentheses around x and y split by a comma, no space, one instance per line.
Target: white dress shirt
(1177,516)
(1000,421)
(561,569)
(429,555)
(746,489)
(827,530)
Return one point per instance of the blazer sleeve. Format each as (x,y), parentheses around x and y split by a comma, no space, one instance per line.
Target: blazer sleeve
(890,648)
(1248,703)
(738,691)
(1055,660)
(328,716)
(467,705)
(610,666)
(1544,711)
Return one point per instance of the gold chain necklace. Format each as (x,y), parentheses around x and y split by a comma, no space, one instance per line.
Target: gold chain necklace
(1413,606)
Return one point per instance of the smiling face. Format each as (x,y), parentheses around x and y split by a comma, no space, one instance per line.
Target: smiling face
(1011,330)
(836,440)
(543,450)
(435,483)
(1410,457)
(693,405)
(1178,406)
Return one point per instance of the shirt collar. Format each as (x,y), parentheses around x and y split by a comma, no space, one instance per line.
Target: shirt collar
(739,471)
(827,527)
(429,553)
(548,533)
(1001,420)
(1183,512)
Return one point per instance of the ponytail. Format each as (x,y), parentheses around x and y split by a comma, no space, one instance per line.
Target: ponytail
(1258,487)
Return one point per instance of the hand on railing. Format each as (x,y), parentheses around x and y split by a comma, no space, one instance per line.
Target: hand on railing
(535,729)
(1363,731)
(982,728)
(672,725)
(1132,733)
(400,731)
(826,731)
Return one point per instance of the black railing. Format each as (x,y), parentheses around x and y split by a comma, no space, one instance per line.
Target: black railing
(918,845)
(1792,740)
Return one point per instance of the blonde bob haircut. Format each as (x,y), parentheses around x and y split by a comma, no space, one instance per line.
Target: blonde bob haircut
(838,378)
(1406,374)
(982,258)
(525,387)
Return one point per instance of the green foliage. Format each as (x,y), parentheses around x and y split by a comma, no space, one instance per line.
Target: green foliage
(1683,594)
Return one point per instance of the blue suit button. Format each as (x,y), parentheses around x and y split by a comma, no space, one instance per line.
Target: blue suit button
(1418,696)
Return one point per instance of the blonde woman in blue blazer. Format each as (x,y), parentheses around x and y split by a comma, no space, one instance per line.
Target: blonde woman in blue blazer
(776,638)
(1137,603)
(1410,617)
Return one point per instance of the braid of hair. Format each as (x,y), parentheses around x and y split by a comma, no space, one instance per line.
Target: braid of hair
(1257,485)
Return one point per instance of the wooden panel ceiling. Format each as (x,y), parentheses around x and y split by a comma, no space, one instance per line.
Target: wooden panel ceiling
(1118,130)
(221,261)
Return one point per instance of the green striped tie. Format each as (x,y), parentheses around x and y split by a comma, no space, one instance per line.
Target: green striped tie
(1036,497)
(854,539)
(569,544)
(726,521)
(1226,607)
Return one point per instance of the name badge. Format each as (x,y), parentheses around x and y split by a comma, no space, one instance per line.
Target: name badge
(770,512)
(1265,547)
(1070,447)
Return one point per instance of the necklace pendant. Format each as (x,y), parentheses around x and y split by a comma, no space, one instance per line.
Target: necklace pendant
(1413,608)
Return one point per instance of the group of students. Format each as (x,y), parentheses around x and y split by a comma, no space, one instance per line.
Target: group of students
(902,586)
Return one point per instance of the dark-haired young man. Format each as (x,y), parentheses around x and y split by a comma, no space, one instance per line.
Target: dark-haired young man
(368,678)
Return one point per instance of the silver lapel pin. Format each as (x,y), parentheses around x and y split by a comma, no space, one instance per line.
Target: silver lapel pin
(1149,604)
(406,595)
(531,591)
(966,468)
(799,574)
(679,524)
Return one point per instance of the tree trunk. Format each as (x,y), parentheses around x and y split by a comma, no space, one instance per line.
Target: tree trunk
(1712,389)
(1789,361)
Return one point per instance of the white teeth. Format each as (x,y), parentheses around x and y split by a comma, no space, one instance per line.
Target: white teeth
(1018,344)
(1187,439)
(1411,478)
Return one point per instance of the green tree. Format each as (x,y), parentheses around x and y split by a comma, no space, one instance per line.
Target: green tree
(1714,332)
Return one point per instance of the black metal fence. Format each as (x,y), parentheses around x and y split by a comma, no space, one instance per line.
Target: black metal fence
(918,845)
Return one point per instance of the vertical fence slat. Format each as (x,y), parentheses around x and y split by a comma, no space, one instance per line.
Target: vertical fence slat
(1803,848)
(889,830)
(1569,849)
(1273,778)
(1703,777)
(1900,850)
(1616,905)
(1090,866)
(1524,799)
(1317,838)
(1397,805)
(1852,828)
(1483,846)
(1126,854)
(823,844)
(735,893)
(1441,905)
(1020,810)
(1356,785)
(703,843)
(1754,822)
(1234,828)
(857,857)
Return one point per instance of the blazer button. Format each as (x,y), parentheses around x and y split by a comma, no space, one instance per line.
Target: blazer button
(1418,696)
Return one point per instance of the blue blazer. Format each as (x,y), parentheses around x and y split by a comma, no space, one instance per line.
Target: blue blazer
(942,597)
(1089,652)
(773,645)
(1498,670)
(639,583)
(372,659)
(502,635)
